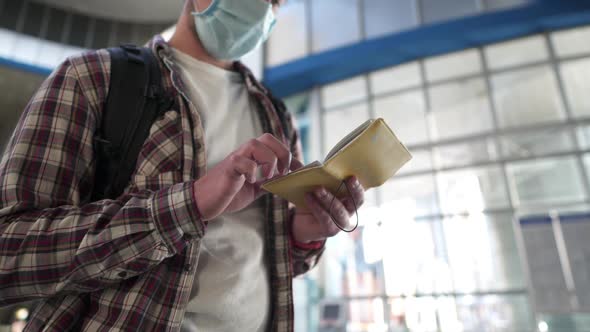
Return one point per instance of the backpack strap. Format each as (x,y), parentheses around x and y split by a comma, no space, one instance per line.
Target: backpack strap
(135,100)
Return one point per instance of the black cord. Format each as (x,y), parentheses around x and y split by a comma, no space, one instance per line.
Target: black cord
(355,209)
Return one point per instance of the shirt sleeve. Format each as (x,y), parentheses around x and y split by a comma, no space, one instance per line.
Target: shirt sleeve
(303,256)
(51,242)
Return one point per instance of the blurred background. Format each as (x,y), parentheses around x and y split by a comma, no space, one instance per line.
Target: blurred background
(486,229)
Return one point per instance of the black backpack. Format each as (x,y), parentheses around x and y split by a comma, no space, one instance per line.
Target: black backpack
(136,99)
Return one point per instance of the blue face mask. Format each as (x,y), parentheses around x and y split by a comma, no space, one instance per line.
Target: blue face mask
(228,29)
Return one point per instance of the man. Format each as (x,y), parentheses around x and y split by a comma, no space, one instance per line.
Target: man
(193,244)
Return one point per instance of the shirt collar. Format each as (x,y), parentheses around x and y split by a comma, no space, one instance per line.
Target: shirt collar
(162,48)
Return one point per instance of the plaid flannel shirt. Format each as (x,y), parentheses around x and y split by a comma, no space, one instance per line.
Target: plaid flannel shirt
(124,264)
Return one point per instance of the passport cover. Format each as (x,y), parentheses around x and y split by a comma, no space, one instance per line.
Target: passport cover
(371,152)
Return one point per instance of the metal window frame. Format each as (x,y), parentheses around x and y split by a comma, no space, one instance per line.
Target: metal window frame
(570,125)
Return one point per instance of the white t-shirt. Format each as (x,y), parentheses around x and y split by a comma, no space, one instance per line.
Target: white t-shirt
(231,290)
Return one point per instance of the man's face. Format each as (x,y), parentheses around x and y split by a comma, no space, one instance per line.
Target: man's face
(201,5)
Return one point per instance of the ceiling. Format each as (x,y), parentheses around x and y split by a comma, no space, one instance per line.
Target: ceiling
(148,11)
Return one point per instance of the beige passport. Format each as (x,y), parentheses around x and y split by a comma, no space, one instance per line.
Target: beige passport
(371,152)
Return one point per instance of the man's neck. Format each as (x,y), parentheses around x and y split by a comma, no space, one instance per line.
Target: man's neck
(185,39)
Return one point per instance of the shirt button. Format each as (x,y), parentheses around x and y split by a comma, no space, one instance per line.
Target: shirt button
(188,267)
(122,274)
(186,237)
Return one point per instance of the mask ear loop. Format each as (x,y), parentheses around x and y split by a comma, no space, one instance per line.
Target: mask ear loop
(355,209)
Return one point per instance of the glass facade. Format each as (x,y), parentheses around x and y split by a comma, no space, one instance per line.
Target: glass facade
(498,133)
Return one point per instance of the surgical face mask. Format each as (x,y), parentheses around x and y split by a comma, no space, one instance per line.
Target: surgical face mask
(229,29)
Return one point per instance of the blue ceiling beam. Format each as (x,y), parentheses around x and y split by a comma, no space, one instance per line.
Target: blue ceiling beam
(43,71)
(430,40)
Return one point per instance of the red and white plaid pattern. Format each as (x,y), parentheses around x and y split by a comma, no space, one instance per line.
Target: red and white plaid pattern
(125,264)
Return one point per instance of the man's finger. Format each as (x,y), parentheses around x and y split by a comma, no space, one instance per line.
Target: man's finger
(333,206)
(356,193)
(324,222)
(260,153)
(280,150)
(244,166)
(350,205)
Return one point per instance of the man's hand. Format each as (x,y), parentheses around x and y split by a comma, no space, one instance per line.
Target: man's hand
(232,184)
(317,224)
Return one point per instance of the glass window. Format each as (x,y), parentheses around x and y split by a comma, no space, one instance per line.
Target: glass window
(414,246)
(517,52)
(576,235)
(363,313)
(52,54)
(339,123)
(9,39)
(78,30)
(495,312)
(370,201)
(536,143)
(405,114)
(421,161)
(472,190)
(571,42)
(288,40)
(436,10)
(499,231)
(340,250)
(460,108)
(503,4)
(576,80)
(528,96)
(421,314)
(27,48)
(465,154)
(71,51)
(253,60)
(568,208)
(395,78)
(102,33)
(32,24)
(9,13)
(55,28)
(482,252)
(298,104)
(353,270)
(397,314)
(388,16)
(548,181)
(583,133)
(143,33)
(586,160)
(327,33)
(343,92)
(453,65)
(546,275)
(416,193)
(124,33)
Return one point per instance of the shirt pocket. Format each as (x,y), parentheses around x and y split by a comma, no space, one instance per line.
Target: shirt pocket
(162,150)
